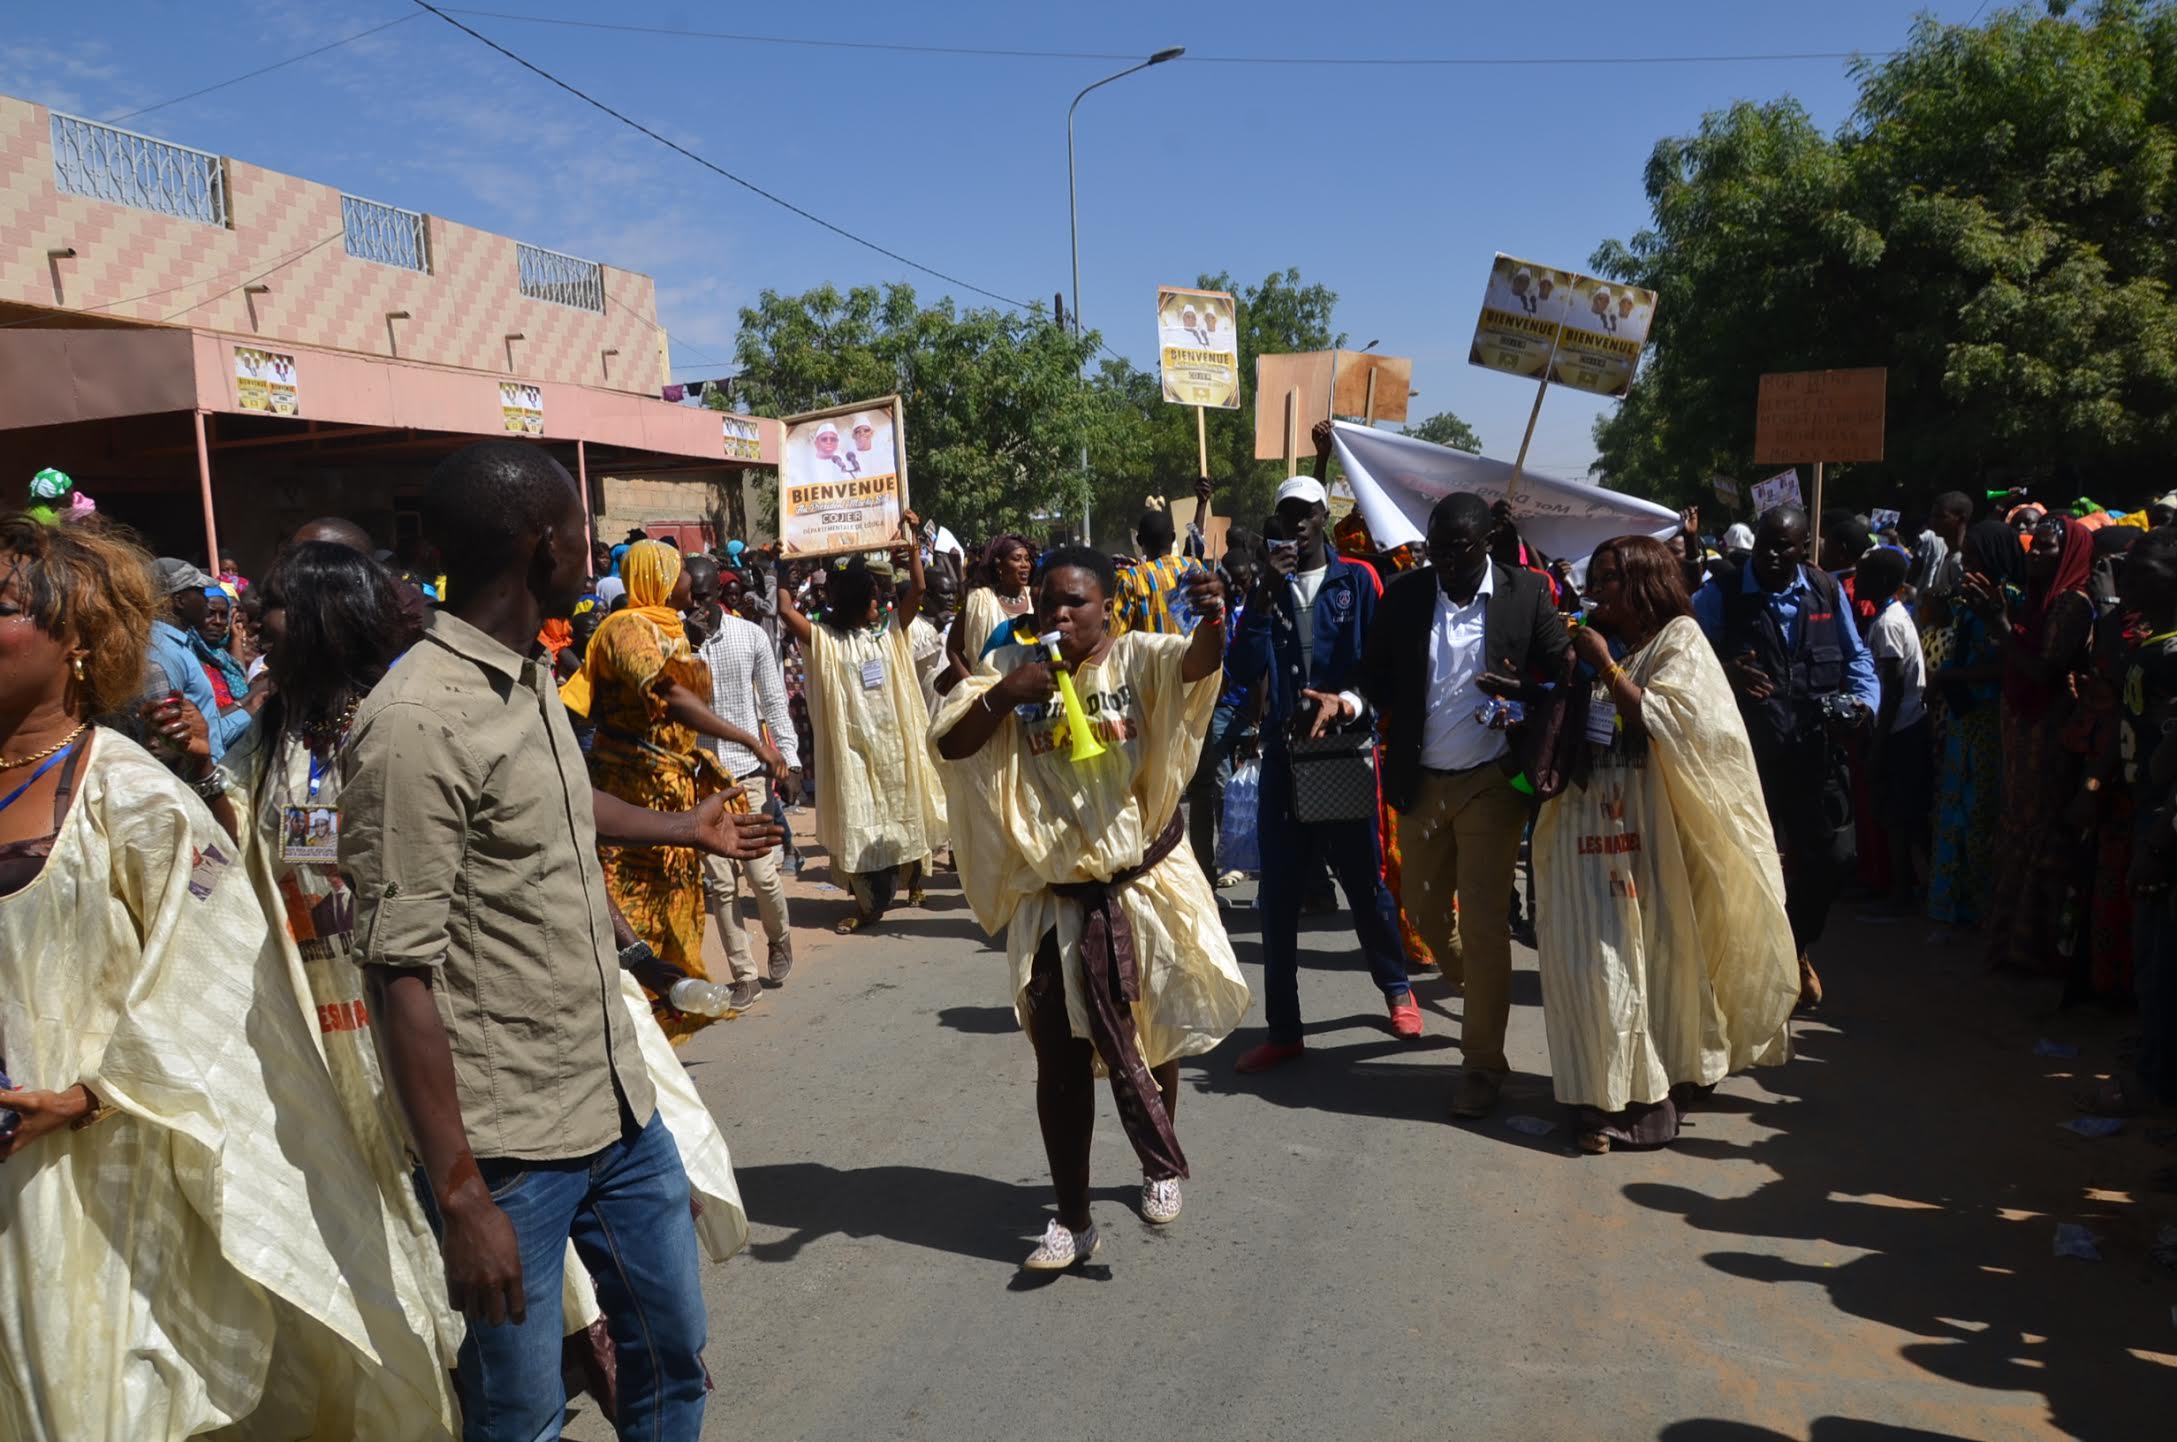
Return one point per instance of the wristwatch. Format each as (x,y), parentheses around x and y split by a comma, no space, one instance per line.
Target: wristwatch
(636,954)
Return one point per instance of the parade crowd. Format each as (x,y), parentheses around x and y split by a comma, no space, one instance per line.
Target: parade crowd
(350,915)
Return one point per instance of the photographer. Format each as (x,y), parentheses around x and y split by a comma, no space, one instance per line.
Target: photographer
(1302,631)
(1806,687)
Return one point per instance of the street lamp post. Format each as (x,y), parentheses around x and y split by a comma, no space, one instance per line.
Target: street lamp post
(1073,212)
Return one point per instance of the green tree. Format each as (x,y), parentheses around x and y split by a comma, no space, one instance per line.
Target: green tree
(1993,224)
(1445,429)
(996,413)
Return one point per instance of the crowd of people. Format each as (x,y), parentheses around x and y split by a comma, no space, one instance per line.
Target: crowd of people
(353,914)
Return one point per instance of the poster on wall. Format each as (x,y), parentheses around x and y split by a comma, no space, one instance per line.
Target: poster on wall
(1605,330)
(744,441)
(521,408)
(264,381)
(1522,310)
(843,479)
(1198,347)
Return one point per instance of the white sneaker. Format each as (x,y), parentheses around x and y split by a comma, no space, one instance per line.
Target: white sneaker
(1062,1248)
(1160,1201)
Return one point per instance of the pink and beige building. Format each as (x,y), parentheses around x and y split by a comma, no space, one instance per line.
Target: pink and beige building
(217,352)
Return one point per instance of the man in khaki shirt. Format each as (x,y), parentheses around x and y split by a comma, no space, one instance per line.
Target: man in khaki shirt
(470,834)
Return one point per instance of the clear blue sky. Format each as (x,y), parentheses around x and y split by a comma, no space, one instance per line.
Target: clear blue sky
(1392,185)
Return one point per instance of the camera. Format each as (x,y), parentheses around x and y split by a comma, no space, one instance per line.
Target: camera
(1840,708)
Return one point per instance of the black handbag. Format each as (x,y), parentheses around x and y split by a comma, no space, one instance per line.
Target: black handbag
(1334,776)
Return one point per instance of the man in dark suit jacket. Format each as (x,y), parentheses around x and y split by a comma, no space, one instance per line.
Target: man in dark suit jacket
(1437,633)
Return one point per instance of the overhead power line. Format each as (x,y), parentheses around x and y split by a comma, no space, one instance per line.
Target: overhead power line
(1190,58)
(262,69)
(716,169)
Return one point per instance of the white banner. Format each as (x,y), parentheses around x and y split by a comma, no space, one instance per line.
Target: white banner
(1398,480)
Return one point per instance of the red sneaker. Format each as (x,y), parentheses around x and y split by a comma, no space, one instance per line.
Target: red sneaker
(1406,1016)
(1270,1054)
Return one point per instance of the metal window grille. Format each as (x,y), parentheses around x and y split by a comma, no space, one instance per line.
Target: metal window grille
(129,169)
(386,234)
(563,279)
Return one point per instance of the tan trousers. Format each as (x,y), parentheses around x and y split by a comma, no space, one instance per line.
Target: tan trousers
(722,884)
(1459,841)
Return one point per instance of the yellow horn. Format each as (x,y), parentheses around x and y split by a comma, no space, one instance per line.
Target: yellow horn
(1085,745)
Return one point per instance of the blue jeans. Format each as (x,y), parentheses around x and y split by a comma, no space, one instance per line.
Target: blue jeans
(626,1208)
(1354,851)
(1206,790)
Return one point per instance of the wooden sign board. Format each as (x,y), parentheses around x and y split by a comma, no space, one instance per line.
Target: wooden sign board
(1308,372)
(1394,378)
(1820,416)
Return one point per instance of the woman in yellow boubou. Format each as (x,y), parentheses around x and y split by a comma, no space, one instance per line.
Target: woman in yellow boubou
(649,695)
(879,804)
(1116,956)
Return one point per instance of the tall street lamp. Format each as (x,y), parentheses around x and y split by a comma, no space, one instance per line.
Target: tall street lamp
(1073,210)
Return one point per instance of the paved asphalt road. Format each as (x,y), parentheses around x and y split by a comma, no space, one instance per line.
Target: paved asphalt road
(1852,1248)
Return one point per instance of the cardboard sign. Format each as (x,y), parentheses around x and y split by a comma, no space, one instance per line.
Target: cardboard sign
(1349,392)
(1881,518)
(1605,330)
(1577,330)
(1726,489)
(264,381)
(1523,309)
(1821,416)
(843,479)
(1198,347)
(1310,373)
(1781,489)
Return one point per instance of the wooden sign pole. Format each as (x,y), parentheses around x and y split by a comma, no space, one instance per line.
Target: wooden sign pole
(1201,452)
(1292,428)
(1814,520)
(1368,405)
(1520,465)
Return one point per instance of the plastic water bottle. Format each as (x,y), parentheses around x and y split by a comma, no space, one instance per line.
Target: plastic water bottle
(698,997)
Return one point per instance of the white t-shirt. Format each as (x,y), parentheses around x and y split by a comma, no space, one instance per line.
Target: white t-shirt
(1893,637)
(1307,585)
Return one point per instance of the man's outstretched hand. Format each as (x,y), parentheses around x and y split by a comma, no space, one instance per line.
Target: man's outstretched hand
(735,835)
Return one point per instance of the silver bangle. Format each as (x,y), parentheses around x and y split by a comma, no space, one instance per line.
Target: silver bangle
(984,702)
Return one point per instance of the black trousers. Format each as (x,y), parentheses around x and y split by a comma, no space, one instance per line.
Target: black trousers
(1808,789)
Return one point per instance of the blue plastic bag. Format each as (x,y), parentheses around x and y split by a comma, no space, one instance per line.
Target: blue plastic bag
(1238,846)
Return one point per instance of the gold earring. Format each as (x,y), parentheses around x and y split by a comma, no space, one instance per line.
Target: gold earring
(77,663)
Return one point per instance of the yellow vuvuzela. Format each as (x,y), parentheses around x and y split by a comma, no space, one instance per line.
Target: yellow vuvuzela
(1085,745)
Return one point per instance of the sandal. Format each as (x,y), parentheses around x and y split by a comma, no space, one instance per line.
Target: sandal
(851,925)
(1594,1144)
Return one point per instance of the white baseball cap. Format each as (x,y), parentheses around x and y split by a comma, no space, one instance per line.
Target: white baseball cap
(1301,488)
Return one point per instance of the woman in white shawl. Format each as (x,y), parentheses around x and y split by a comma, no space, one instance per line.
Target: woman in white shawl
(192,1241)
(1667,963)
(1118,960)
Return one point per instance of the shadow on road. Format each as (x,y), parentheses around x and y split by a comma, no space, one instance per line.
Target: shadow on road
(980,1020)
(969,1216)
(1916,1134)
(1825,1429)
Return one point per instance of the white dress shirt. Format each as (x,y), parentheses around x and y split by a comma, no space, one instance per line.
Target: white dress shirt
(1451,739)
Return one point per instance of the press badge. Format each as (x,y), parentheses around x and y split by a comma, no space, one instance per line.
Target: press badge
(873,673)
(1602,721)
(309,833)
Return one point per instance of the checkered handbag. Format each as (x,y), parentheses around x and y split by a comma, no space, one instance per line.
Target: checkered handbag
(1334,776)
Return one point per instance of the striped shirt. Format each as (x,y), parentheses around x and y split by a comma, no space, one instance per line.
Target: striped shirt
(747,691)
(1142,588)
